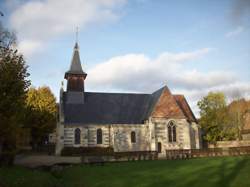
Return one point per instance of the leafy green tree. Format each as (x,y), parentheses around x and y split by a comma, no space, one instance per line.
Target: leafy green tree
(213,116)
(41,113)
(13,87)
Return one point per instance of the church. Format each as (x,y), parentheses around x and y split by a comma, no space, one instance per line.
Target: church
(127,122)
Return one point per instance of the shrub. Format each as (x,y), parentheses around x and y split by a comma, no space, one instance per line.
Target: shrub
(80,151)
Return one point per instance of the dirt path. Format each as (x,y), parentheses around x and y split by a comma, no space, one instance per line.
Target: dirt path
(33,161)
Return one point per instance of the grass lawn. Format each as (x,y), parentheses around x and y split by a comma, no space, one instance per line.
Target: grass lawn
(202,172)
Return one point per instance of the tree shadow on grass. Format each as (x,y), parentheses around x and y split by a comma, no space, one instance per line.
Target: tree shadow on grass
(218,174)
(227,179)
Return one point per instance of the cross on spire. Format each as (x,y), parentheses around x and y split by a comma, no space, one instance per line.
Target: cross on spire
(77,30)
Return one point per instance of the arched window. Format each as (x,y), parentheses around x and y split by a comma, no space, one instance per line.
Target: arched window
(133,137)
(99,136)
(171,132)
(77,136)
(174,133)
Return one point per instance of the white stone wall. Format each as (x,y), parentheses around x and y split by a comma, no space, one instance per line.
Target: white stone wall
(122,138)
(246,136)
(59,138)
(195,136)
(92,132)
(88,136)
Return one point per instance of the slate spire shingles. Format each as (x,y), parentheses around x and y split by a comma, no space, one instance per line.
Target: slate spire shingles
(75,66)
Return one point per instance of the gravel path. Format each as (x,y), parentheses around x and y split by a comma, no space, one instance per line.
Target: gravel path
(33,161)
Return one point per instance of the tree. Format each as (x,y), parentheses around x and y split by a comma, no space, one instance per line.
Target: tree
(41,113)
(13,87)
(213,116)
(236,111)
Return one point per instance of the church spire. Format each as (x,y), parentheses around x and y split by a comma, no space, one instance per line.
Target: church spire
(75,66)
(75,75)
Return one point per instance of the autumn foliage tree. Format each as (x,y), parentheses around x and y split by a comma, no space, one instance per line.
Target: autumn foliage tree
(220,121)
(237,110)
(41,113)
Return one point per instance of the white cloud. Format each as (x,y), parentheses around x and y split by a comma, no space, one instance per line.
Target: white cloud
(29,47)
(235,32)
(139,73)
(42,20)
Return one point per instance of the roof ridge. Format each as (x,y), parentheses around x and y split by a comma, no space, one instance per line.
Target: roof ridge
(154,101)
(119,93)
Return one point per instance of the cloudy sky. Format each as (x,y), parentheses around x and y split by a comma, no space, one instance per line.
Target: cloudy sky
(192,46)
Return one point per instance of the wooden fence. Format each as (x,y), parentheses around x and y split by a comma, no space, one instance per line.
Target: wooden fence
(122,156)
(210,152)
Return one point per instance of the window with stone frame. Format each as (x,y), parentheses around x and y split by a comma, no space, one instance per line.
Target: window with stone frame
(77,136)
(99,136)
(171,132)
(133,137)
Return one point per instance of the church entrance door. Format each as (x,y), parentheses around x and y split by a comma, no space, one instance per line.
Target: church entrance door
(159,147)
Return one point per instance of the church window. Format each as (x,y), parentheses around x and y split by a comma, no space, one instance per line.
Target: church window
(171,132)
(99,136)
(77,136)
(174,133)
(133,137)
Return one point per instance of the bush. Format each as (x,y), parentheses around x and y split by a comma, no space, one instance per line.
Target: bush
(87,151)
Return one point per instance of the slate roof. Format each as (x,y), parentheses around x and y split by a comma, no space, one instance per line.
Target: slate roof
(111,108)
(108,108)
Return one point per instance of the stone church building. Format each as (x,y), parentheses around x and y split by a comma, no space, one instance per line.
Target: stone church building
(124,121)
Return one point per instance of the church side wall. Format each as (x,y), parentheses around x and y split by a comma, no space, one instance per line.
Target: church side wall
(116,136)
(148,136)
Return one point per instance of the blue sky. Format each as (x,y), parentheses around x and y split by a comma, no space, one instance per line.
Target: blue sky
(192,46)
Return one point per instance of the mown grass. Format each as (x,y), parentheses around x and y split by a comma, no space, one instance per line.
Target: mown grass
(205,172)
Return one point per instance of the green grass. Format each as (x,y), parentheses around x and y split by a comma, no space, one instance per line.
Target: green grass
(203,172)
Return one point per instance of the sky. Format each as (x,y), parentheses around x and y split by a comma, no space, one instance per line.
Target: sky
(194,47)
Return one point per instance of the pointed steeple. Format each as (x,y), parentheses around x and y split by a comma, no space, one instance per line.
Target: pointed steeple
(75,75)
(75,66)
